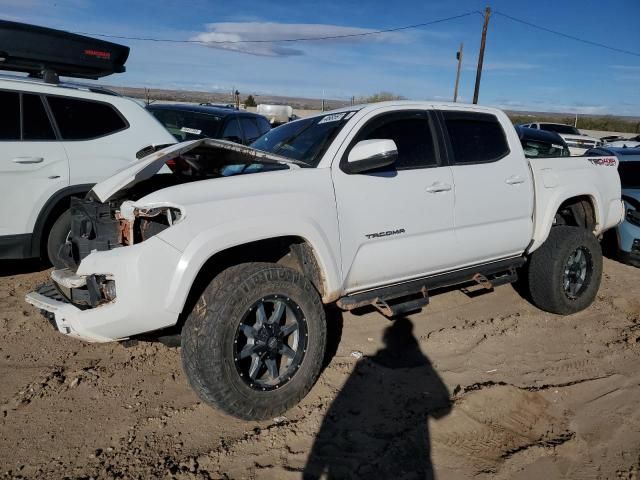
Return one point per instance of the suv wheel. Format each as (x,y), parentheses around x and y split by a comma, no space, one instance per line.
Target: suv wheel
(254,343)
(57,237)
(564,273)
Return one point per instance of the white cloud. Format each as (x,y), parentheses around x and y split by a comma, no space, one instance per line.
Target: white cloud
(245,32)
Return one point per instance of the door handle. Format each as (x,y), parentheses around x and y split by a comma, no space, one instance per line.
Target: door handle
(438,187)
(26,160)
(514,180)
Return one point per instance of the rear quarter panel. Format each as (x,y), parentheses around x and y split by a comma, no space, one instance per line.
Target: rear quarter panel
(562,178)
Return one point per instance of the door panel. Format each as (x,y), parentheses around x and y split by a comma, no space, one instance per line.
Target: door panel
(396,224)
(493,188)
(31,171)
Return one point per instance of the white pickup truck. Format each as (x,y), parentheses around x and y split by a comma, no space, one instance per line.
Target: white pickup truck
(240,249)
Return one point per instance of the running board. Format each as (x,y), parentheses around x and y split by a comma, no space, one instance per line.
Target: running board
(413,295)
(392,306)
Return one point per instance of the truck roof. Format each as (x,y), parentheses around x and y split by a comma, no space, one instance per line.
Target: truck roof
(410,103)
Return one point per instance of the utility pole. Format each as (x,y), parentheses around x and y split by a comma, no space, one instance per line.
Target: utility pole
(459,57)
(487,14)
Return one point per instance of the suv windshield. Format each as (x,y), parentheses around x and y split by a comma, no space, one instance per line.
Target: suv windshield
(185,125)
(629,174)
(559,128)
(305,140)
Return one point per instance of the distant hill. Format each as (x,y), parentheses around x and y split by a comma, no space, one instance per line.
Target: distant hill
(590,122)
(161,95)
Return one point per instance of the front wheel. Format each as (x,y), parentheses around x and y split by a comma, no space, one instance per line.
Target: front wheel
(57,237)
(564,273)
(254,343)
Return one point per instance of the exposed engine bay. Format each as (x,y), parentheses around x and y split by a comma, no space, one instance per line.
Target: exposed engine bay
(121,221)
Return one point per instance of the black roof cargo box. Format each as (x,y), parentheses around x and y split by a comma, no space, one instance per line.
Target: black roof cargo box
(39,50)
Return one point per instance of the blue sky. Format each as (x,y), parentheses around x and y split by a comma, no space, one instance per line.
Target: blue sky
(524,68)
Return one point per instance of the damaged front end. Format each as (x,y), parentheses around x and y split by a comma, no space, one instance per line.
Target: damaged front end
(105,264)
(100,227)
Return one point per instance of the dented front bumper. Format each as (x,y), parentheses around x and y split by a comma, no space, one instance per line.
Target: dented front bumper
(142,274)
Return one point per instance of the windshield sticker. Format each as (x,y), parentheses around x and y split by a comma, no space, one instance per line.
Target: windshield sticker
(193,131)
(604,161)
(334,117)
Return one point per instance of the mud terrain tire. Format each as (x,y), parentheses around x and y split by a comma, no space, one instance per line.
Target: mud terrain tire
(564,273)
(214,339)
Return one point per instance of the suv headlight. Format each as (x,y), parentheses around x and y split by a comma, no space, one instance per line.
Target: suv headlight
(633,216)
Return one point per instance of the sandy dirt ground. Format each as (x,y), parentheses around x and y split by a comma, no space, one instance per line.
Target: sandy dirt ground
(486,387)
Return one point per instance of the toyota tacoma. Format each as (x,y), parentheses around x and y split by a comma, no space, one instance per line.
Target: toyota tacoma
(239,250)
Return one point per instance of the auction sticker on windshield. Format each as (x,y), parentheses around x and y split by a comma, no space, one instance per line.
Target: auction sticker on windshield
(193,131)
(334,117)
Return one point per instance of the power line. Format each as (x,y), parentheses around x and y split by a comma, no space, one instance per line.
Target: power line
(566,35)
(302,39)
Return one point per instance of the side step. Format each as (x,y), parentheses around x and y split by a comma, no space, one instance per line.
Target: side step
(394,305)
(413,295)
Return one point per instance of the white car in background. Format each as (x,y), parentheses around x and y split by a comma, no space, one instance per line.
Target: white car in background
(633,142)
(577,142)
(58,141)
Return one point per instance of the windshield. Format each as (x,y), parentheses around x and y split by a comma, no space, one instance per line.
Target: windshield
(305,140)
(186,125)
(629,174)
(559,128)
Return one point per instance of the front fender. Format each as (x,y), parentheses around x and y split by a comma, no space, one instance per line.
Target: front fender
(236,233)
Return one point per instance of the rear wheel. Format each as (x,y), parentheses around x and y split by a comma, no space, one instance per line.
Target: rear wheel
(564,273)
(57,237)
(254,343)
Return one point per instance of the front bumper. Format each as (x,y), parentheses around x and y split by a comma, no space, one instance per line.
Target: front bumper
(142,274)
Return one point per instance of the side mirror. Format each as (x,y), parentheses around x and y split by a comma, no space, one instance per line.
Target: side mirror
(371,154)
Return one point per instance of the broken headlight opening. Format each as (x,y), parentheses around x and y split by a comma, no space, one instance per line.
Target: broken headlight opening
(139,224)
(99,226)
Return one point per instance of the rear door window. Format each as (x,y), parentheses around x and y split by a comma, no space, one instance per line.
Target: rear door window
(85,119)
(250,129)
(263,125)
(35,121)
(475,137)
(232,131)
(10,117)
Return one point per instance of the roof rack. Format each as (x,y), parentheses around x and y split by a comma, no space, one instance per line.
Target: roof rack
(47,53)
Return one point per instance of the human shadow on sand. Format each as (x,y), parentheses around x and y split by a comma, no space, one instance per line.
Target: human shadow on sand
(377,427)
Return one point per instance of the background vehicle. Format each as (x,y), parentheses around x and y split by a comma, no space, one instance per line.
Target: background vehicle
(276,114)
(190,122)
(59,139)
(353,207)
(627,234)
(633,142)
(541,144)
(577,142)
